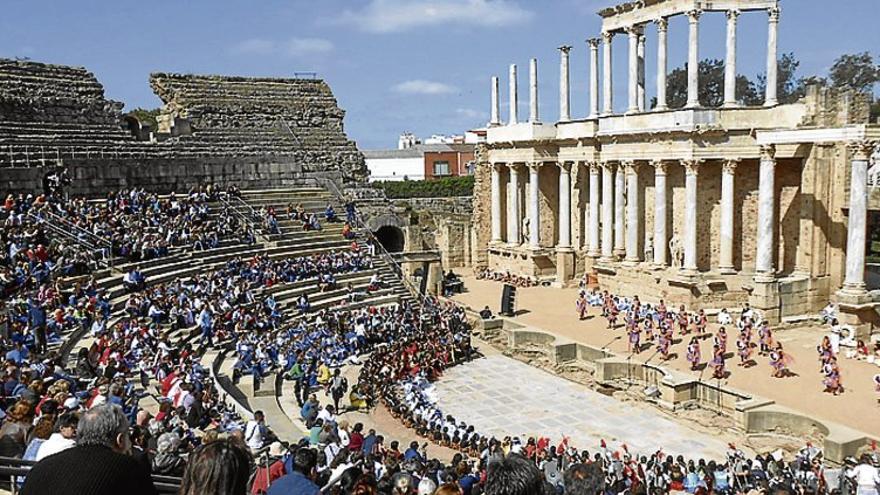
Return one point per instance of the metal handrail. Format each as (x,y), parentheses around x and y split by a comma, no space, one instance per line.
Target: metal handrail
(255,214)
(67,223)
(106,263)
(245,218)
(360,224)
(13,468)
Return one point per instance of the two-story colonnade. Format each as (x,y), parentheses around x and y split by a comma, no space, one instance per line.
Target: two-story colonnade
(711,207)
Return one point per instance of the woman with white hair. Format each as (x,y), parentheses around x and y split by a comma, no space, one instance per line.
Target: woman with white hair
(168,461)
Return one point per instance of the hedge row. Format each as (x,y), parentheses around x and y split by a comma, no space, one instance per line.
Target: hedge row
(446,187)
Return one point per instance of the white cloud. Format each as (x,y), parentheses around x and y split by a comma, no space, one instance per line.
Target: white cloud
(389,16)
(297,47)
(422,87)
(294,47)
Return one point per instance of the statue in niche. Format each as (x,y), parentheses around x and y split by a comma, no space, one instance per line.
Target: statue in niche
(649,249)
(677,251)
(525,230)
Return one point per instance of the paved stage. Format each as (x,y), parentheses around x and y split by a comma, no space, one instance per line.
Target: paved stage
(554,310)
(502,396)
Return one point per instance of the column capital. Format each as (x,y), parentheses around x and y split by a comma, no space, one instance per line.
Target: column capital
(662,23)
(692,166)
(861,150)
(607,37)
(661,167)
(635,30)
(768,152)
(774,13)
(594,167)
(594,43)
(631,166)
(733,14)
(534,165)
(608,165)
(730,164)
(497,165)
(564,49)
(694,15)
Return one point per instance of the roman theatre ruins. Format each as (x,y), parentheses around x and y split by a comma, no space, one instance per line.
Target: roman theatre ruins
(708,207)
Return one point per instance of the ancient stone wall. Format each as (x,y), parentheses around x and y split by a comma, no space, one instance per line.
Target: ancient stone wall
(482,208)
(254,132)
(94,177)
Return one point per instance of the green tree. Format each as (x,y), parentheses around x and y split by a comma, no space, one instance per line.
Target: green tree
(789,88)
(146,117)
(856,72)
(711,92)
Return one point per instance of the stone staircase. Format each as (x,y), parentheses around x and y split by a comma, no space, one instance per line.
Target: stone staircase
(291,242)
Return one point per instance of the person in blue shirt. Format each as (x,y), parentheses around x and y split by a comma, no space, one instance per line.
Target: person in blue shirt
(413,453)
(18,354)
(301,480)
(330,214)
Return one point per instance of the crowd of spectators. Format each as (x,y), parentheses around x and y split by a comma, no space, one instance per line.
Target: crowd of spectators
(91,420)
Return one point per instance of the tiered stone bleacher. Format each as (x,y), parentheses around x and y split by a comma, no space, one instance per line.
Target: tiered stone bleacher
(52,106)
(291,242)
(291,117)
(240,130)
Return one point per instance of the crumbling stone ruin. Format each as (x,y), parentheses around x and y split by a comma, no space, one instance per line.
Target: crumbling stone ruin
(255,132)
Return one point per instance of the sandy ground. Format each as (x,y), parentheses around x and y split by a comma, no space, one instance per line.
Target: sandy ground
(554,310)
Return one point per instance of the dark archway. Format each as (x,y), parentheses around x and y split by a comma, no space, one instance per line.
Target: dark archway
(391,238)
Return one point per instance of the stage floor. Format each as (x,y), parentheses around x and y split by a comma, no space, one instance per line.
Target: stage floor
(553,310)
(501,396)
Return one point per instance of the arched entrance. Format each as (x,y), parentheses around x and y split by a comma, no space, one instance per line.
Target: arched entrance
(391,238)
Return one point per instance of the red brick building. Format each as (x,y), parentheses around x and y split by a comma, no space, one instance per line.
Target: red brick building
(457,160)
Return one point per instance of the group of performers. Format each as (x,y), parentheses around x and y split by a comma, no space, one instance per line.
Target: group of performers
(657,324)
(829,367)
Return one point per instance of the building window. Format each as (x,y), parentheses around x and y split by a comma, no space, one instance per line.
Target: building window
(441,168)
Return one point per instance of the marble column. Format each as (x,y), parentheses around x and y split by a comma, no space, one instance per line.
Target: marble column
(662,52)
(661,242)
(860,154)
(496,203)
(772,57)
(607,211)
(534,206)
(512,96)
(620,211)
(632,212)
(607,79)
(633,33)
(564,206)
(564,92)
(693,99)
(594,77)
(594,210)
(692,169)
(641,71)
(533,92)
(730,61)
(513,216)
(728,171)
(766,213)
(495,110)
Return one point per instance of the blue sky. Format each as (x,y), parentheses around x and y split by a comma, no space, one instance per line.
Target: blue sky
(394,65)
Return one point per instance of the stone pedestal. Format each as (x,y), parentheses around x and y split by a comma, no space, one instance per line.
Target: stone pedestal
(564,265)
(855,309)
(765,297)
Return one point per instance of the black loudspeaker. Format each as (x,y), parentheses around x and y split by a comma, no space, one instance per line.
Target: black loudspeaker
(508,300)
